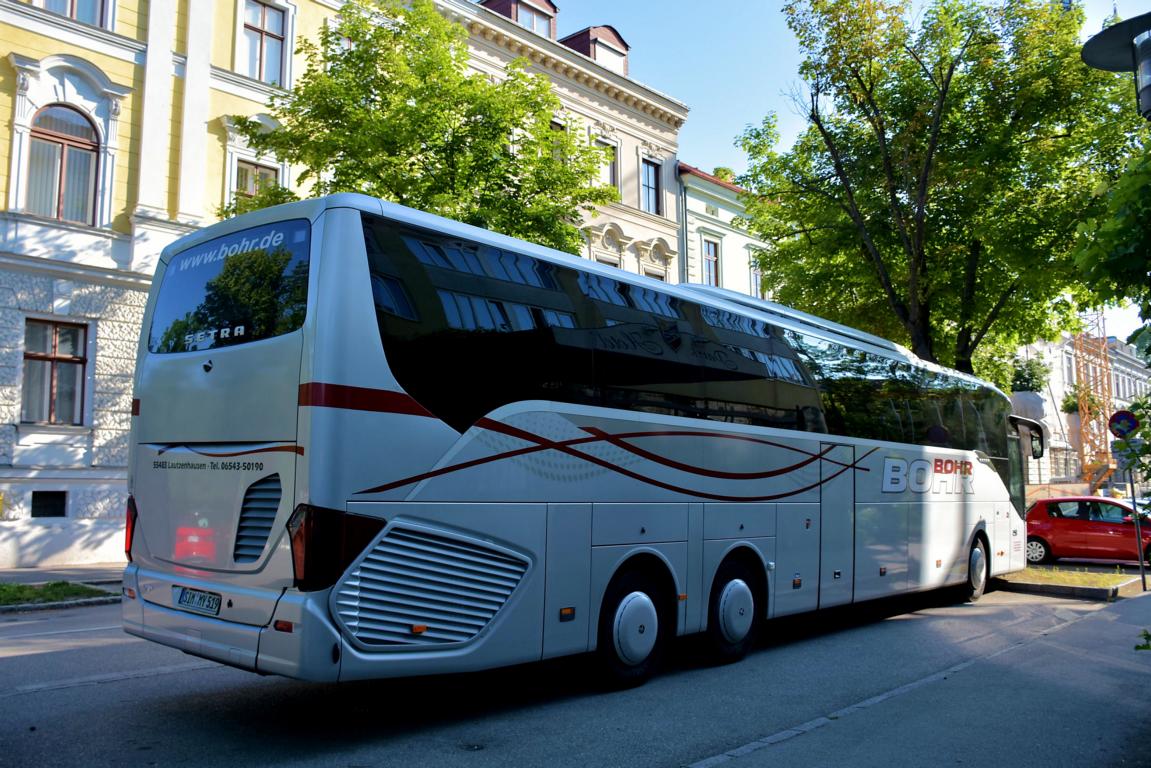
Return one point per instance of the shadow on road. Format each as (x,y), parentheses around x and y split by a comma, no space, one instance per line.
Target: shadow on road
(285,719)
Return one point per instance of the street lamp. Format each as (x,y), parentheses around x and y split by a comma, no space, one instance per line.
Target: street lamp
(1125,47)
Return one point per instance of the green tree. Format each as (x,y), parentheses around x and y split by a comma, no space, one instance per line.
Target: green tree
(934,194)
(1029,374)
(1114,249)
(387,107)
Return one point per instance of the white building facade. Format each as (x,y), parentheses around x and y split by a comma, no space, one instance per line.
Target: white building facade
(716,249)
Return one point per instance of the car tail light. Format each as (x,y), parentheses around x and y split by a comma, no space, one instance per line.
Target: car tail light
(325,542)
(130,516)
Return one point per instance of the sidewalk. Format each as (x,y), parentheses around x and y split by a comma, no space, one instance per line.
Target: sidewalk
(982,711)
(93,573)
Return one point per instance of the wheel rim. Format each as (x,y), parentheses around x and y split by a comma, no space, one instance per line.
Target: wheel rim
(736,610)
(1036,552)
(635,628)
(976,568)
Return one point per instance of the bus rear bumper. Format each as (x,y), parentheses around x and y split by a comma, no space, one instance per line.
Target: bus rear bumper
(297,644)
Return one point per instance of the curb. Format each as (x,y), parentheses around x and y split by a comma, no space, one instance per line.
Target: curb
(80,603)
(1106,594)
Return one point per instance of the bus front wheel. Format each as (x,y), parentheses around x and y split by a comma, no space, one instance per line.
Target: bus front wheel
(977,570)
(632,632)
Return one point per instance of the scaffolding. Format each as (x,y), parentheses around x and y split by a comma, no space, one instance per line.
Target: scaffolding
(1093,386)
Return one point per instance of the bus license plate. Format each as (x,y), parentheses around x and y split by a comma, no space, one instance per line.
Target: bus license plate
(198,600)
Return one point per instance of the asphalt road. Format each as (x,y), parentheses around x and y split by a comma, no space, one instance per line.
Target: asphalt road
(1014,680)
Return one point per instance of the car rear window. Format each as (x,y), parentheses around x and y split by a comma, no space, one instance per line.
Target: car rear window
(242,287)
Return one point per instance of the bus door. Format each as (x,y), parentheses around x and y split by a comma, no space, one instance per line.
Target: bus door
(837,534)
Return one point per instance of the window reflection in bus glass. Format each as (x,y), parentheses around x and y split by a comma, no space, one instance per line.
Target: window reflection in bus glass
(242,287)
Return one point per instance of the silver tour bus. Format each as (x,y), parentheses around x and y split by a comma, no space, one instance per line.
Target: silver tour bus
(371,442)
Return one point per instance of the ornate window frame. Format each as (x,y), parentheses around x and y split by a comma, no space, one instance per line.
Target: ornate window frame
(81,85)
(237,151)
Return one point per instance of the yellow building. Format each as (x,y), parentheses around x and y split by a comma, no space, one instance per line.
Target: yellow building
(118,141)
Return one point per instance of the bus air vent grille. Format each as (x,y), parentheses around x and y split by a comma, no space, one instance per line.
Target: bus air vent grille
(418,588)
(257,514)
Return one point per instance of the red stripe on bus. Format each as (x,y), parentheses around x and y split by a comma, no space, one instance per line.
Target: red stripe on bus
(318,395)
(296,449)
(566,446)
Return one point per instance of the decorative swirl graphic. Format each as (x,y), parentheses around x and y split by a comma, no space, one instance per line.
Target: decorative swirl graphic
(569,447)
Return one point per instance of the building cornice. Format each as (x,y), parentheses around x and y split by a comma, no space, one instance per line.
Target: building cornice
(563,61)
(245,87)
(67,270)
(696,177)
(156,219)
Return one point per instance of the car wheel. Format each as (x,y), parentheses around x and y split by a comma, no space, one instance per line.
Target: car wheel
(1037,551)
(733,612)
(632,630)
(977,572)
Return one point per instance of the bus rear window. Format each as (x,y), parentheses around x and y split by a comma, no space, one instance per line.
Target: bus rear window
(246,286)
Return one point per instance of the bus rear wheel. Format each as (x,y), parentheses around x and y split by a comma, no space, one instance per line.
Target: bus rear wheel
(732,612)
(632,630)
(977,572)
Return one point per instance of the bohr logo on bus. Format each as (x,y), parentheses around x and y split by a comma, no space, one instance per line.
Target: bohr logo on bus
(928,476)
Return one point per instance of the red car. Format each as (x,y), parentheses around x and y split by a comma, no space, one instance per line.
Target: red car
(1084,526)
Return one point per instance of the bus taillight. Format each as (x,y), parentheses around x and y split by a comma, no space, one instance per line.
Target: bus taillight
(325,542)
(129,527)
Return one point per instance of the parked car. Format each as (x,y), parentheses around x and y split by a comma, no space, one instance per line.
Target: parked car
(1085,526)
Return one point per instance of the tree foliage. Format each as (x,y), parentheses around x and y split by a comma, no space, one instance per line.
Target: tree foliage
(934,194)
(1114,248)
(1137,446)
(388,107)
(1029,374)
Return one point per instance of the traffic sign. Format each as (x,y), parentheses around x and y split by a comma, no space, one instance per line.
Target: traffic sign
(1122,424)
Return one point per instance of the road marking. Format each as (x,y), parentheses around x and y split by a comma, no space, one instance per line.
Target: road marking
(77,682)
(60,632)
(811,725)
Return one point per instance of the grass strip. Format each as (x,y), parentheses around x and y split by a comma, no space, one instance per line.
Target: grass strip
(1070,578)
(52,592)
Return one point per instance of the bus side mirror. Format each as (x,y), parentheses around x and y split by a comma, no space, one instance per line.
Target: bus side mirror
(1036,444)
(1033,429)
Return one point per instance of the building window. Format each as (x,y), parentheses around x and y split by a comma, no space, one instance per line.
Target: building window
(710,262)
(87,11)
(756,279)
(54,362)
(537,22)
(252,178)
(650,198)
(49,503)
(611,261)
(609,171)
(263,42)
(655,275)
(62,165)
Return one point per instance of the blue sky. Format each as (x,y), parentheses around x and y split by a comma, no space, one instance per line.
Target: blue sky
(730,61)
